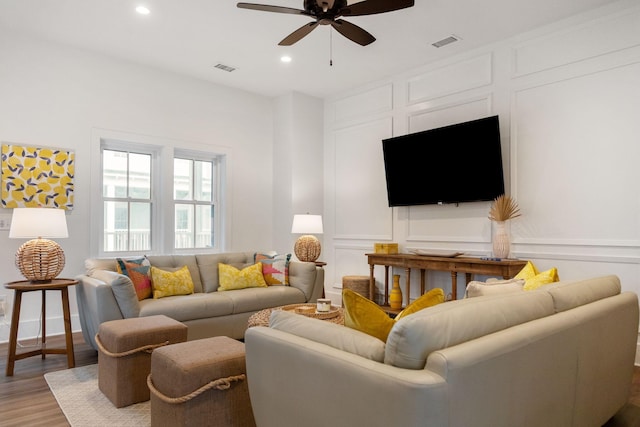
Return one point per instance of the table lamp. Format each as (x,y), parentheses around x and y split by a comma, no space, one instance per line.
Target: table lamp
(307,247)
(39,259)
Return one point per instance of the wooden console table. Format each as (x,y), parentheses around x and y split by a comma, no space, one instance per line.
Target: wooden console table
(461,264)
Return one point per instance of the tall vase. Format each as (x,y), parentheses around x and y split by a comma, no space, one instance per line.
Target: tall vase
(501,239)
(395,298)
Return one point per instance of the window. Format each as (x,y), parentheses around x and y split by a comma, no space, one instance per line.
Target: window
(126,186)
(155,197)
(193,203)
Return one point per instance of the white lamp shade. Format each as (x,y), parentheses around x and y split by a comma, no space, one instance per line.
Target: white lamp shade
(28,223)
(307,224)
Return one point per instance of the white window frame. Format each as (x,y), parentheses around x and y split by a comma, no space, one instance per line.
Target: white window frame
(162,152)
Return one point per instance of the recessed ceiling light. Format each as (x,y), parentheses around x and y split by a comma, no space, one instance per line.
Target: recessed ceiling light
(143,10)
(285,58)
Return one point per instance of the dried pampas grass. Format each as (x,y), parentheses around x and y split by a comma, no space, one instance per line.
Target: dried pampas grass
(503,209)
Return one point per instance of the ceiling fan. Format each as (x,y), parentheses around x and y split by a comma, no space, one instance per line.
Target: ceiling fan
(328,12)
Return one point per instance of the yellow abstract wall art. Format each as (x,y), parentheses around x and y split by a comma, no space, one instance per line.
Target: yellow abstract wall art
(37,177)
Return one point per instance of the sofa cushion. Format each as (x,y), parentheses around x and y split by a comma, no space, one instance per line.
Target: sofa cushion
(123,291)
(275,268)
(169,283)
(331,334)
(232,278)
(414,337)
(208,266)
(171,262)
(255,299)
(188,307)
(572,294)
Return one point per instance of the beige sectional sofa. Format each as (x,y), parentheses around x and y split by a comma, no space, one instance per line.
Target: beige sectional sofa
(104,295)
(562,355)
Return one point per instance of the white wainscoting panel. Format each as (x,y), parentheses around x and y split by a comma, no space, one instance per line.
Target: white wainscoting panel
(361,205)
(577,43)
(463,111)
(377,100)
(466,222)
(458,77)
(575,149)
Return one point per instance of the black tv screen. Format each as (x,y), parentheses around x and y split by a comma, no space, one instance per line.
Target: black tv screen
(452,164)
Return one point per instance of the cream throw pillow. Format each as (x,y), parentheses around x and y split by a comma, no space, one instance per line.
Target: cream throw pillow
(496,287)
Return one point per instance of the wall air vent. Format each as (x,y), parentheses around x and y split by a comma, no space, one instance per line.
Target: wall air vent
(224,67)
(446,41)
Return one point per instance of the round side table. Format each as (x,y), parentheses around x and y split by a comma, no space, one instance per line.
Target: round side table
(23,286)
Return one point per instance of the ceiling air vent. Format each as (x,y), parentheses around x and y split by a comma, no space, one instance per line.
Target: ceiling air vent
(224,67)
(446,41)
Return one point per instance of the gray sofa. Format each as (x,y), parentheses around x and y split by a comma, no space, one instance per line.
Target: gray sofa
(104,295)
(562,356)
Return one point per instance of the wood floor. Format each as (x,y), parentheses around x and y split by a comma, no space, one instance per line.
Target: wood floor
(25,399)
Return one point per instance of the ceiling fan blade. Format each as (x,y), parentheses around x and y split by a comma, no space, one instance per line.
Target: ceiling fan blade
(269,8)
(298,34)
(371,7)
(353,32)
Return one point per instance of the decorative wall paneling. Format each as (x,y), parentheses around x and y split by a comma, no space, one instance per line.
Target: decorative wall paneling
(568,100)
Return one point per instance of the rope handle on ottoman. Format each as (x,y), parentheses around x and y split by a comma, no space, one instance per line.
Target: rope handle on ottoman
(219,384)
(146,348)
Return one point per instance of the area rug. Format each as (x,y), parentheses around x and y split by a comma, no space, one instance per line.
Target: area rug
(77,393)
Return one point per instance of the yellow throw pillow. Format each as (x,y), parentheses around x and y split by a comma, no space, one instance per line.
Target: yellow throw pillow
(366,316)
(232,278)
(168,283)
(429,299)
(534,279)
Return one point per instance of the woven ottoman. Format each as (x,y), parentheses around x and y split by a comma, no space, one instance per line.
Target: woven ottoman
(199,383)
(358,284)
(124,355)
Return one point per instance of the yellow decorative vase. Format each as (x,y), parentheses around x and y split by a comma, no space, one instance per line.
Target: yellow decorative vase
(395,298)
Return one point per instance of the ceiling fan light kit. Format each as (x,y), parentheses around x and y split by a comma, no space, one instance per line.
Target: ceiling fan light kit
(328,12)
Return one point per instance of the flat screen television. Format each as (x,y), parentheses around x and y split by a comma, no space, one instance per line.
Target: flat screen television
(451,164)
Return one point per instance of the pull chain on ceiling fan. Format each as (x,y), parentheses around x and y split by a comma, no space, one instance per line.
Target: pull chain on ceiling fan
(328,12)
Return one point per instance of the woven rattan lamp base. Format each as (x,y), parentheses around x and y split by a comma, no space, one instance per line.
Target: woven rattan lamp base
(40,260)
(307,248)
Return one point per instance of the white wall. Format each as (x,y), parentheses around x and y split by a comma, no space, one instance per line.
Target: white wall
(55,96)
(568,97)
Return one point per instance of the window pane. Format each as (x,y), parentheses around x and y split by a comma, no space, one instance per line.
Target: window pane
(116,230)
(202,172)
(204,226)
(139,176)
(114,173)
(140,232)
(182,179)
(184,226)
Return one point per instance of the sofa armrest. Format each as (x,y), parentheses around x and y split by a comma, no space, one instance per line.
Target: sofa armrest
(283,368)
(308,278)
(96,304)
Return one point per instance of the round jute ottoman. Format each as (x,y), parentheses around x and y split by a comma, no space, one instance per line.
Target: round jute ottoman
(359,284)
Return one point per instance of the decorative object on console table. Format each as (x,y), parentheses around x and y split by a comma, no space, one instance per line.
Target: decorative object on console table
(385,248)
(503,209)
(395,298)
(307,247)
(39,259)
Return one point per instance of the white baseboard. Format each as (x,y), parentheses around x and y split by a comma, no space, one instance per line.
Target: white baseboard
(30,329)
